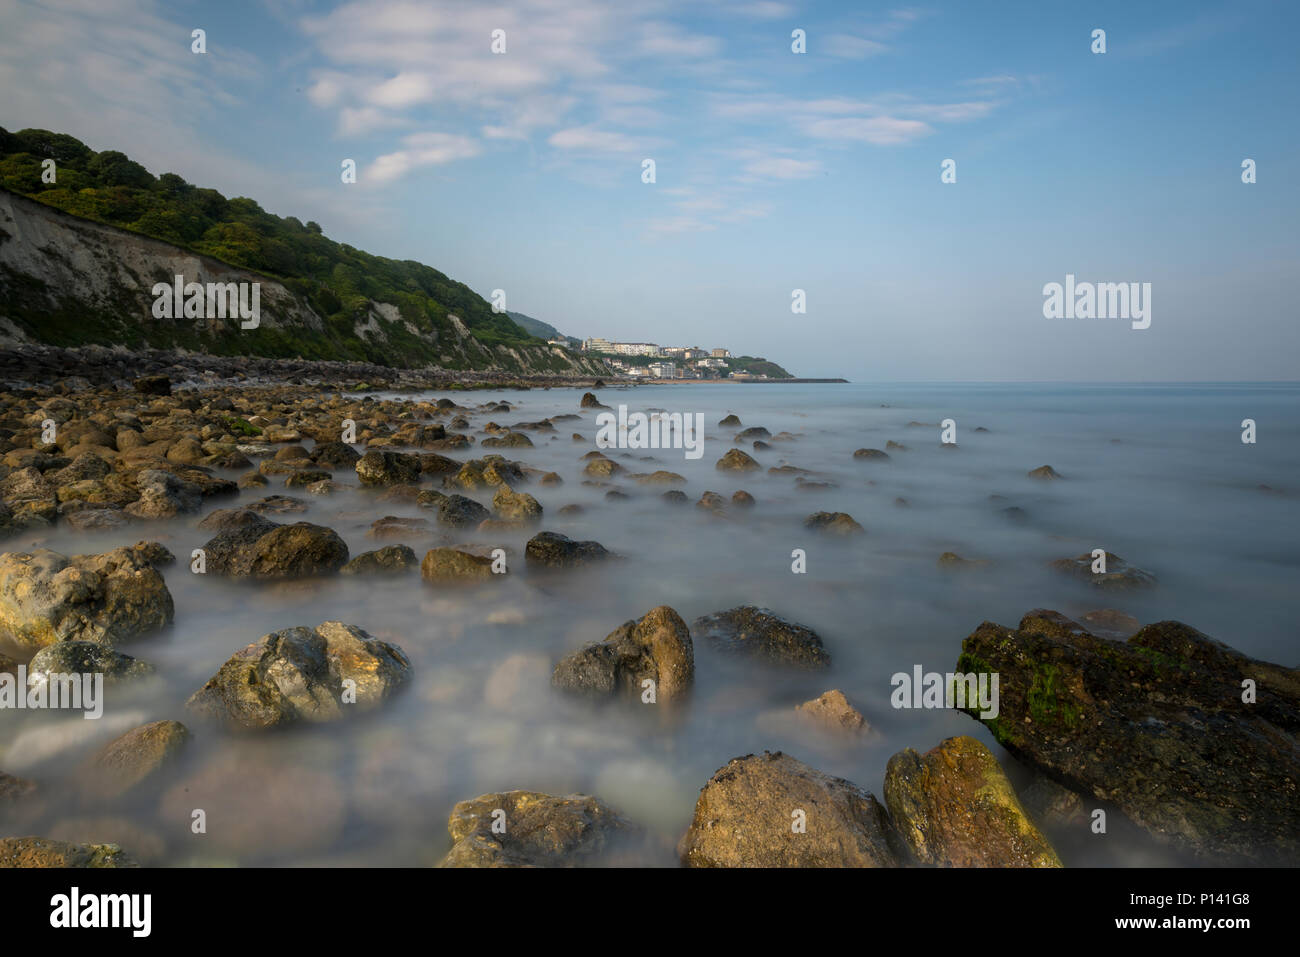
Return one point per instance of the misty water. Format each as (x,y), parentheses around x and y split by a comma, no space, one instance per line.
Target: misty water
(1156,474)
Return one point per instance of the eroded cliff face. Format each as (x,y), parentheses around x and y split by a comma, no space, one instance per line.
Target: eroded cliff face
(68,281)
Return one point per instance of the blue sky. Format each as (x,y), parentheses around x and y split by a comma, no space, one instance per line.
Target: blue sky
(774,170)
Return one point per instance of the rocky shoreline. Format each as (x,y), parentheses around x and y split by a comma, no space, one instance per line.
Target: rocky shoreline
(1191,741)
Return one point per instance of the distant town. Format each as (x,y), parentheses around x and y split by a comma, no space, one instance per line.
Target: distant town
(650,361)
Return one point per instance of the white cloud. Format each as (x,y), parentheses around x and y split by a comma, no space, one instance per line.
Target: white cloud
(593,140)
(781,167)
(421,149)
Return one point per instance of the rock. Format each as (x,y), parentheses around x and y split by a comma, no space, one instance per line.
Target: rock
(1053,805)
(951,560)
(457,511)
(836,523)
(15,788)
(675,497)
(711,501)
(82,658)
(164,495)
(656,646)
(297,674)
(153,385)
(510,504)
(388,468)
(891,444)
(589,401)
(602,468)
(511,440)
(747,816)
(542,830)
(305,477)
(734,460)
(1044,472)
(95,519)
(335,455)
(386,560)
(1119,574)
(757,432)
(730,421)
(461,563)
(391,526)
(832,711)
(554,550)
(127,761)
(954,807)
(109,598)
(660,477)
(742,499)
(1111,623)
(872,454)
(758,632)
(41,852)
(1155,725)
(431,463)
(260,548)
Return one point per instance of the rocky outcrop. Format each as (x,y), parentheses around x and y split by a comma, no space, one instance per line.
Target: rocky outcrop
(954,807)
(1156,725)
(303,674)
(772,810)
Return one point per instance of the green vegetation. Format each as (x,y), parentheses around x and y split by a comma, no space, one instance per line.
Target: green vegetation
(337,281)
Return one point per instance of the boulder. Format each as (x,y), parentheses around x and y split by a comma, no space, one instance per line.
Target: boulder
(831,711)
(108,598)
(761,634)
(834,523)
(388,468)
(954,807)
(734,460)
(541,830)
(657,646)
(460,563)
(85,657)
(128,760)
(27,852)
(554,550)
(1155,725)
(772,810)
(1119,574)
(255,547)
(509,504)
(386,560)
(298,674)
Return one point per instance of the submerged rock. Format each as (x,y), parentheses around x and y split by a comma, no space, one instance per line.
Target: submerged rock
(108,598)
(834,523)
(760,633)
(772,810)
(1119,574)
(656,646)
(541,830)
(873,454)
(386,560)
(85,657)
(459,563)
(1156,725)
(734,460)
(554,550)
(299,674)
(1044,472)
(831,710)
(954,807)
(128,760)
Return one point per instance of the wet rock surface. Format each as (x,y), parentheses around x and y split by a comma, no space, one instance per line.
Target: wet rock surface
(655,647)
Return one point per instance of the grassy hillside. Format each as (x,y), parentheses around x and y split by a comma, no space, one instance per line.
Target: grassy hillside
(337,280)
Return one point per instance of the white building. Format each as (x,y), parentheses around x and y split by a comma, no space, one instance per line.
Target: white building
(636,348)
(597,345)
(663,370)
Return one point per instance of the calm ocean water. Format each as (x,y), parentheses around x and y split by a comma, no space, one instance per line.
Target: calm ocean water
(1156,474)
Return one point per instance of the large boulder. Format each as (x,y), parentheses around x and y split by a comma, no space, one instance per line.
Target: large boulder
(108,598)
(85,657)
(954,807)
(764,635)
(298,674)
(540,830)
(164,495)
(510,504)
(459,563)
(1156,725)
(772,810)
(382,561)
(250,546)
(657,646)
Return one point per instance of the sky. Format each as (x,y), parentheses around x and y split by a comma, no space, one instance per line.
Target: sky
(774,171)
